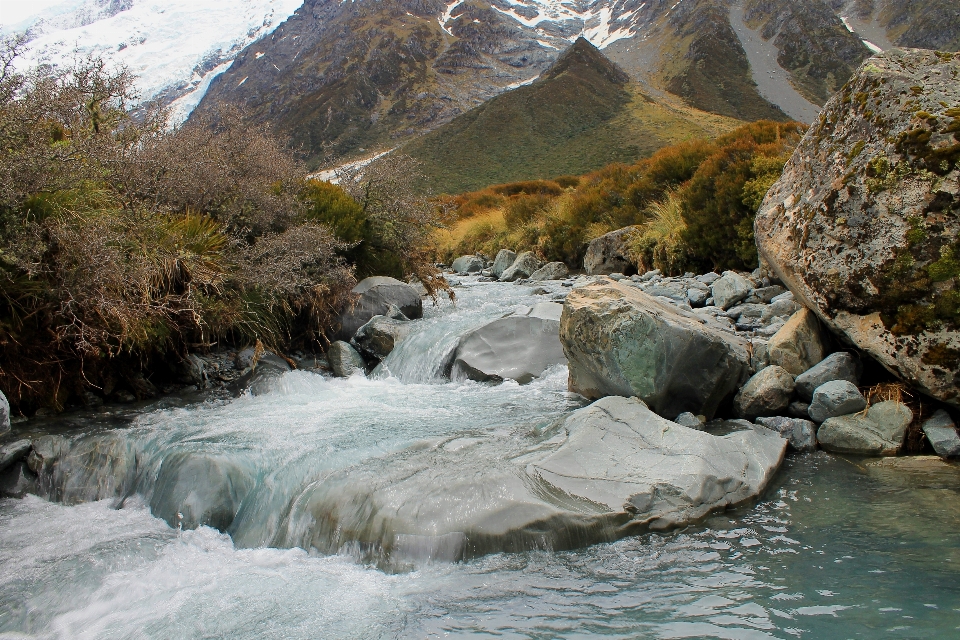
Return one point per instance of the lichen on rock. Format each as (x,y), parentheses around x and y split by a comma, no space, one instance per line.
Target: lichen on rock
(864,224)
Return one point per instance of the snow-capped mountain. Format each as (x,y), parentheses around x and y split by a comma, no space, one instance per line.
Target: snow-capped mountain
(174,47)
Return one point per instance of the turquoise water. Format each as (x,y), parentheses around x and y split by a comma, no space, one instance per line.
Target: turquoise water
(835,549)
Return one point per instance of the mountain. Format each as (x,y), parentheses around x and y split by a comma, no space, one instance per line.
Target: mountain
(175,47)
(582,113)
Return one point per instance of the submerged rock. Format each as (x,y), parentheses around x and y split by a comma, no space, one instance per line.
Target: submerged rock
(862,225)
(621,341)
(609,470)
(518,347)
(375,297)
(344,360)
(608,254)
(523,267)
(941,432)
(195,489)
(504,259)
(800,434)
(880,432)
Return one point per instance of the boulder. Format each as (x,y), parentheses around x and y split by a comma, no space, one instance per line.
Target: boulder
(941,432)
(94,467)
(195,489)
(730,289)
(468,264)
(259,373)
(764,295)
(880,432)
(551,271)
(800,434)
(344,360)
(609,254)
(609,470)
(862,225)
(519,347)
(765,394)
(375,295)
(697,297)
(798,345)
(621,341)
(378,337)
(799,410)
(523,267)
(4,413)
(837,366)
(504,259)
(836,398)
(14,452)
(687,419)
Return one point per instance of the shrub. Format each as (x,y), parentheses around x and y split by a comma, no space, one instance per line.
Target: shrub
(659,243)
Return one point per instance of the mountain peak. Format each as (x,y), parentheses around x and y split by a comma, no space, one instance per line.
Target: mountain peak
(582,58)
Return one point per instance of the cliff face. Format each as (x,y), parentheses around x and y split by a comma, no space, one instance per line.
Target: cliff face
(864,223)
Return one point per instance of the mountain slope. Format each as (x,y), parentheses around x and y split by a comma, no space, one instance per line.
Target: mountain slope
(175,47)
(581,114)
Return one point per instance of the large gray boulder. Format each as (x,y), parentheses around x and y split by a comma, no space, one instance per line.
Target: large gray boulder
(878,433)
(551,271)
(941,432)
(504,259)
(836,398)
(767,393)
(13,452)
(519,347)
(523,267)
(730,289)
(798,345)
(4,413)
(374,297)
(468,264)
(195,489)
(609,470)
(610,254)
(344,360)
(862,224)
(378,337)
(837,366)
(800,434)
(621,341)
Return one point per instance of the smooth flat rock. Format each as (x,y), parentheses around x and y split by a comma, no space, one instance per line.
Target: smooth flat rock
(550,271)
(878,433)
(375,295)
(196,489)
(378,337)
(766,393)
(730,289)
(609,470)
(505,258)
(523,267)
(836,398)
(518,347)
(800,434)
(836,366)
(621,341)
(344,360)
(941,432)
(798,345)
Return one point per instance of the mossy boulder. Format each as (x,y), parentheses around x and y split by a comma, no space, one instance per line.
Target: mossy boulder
(864,224)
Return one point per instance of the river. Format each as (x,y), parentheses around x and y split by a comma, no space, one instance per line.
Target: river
(836,548)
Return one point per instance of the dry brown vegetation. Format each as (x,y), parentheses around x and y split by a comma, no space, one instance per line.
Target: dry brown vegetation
(124,243)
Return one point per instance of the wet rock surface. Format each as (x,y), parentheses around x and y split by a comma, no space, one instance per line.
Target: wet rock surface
(375,297)
(344,359)
(609,470)
(878,432)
